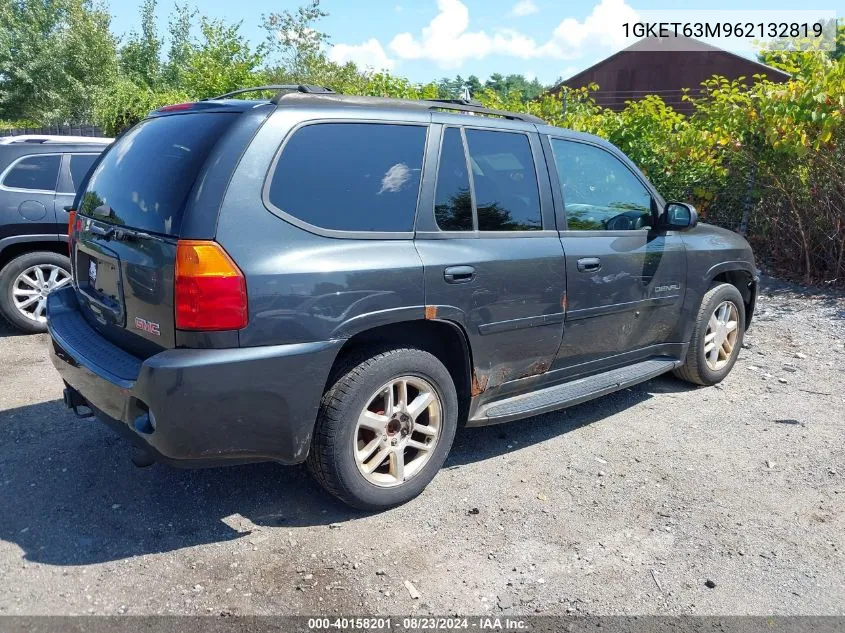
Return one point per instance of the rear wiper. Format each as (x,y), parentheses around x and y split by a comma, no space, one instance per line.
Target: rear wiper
(101,232)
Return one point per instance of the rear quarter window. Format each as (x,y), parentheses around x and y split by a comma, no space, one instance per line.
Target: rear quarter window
(350,176)
(35,173)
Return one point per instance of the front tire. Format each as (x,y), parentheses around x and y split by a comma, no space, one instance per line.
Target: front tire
(384,429)
(716,337)
(25,283)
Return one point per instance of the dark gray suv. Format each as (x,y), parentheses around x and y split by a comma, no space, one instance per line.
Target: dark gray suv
(345,280)
(38,178)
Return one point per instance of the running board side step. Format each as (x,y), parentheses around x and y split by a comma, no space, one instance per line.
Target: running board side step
(571,393)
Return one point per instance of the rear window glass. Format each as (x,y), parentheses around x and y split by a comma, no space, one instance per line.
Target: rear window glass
(34,172)
(351,176)
(145,177)
(79,166)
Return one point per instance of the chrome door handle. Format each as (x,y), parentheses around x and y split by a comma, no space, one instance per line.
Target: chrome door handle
(589,264)
(459,274)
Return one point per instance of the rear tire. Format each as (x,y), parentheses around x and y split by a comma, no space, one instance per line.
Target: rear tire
(27,311)
(716,337)
(369,422)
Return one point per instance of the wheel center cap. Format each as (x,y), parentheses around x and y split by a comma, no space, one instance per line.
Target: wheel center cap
(399,426)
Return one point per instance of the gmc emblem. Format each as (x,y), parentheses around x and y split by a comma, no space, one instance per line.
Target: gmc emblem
(147,326)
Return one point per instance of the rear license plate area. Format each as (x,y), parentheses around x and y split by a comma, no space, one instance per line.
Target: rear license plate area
(98,279)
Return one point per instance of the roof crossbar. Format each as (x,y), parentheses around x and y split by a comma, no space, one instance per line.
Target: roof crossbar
(280,90)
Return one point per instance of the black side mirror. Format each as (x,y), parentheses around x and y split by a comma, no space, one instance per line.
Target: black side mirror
(678,216)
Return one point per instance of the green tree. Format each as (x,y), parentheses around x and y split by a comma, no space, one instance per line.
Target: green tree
(54,57)
(294,42)
(140,57)
(180,48)
(222,60)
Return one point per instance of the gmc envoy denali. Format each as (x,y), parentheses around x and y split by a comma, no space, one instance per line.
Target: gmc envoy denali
(344,281)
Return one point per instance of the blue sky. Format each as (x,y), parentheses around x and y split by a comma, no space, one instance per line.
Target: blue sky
(428,39)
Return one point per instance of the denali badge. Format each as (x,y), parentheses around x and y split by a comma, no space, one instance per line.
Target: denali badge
(667,288)
(147,326)
(92,271)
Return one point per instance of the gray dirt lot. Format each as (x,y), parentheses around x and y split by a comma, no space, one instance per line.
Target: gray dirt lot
(625,505)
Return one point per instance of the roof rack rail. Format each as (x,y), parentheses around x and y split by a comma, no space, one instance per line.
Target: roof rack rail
(279,88)
(474,107)
(451,105)
(466,102)
(54,138)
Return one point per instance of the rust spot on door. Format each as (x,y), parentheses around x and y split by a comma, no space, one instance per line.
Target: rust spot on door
(431,312)
(540,367)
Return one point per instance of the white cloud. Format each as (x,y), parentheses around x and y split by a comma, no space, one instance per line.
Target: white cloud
(603,26)
(448,41)
(523,8)
(369,54)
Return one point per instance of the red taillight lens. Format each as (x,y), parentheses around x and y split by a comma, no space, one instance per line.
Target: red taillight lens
(71,226)
(210,290)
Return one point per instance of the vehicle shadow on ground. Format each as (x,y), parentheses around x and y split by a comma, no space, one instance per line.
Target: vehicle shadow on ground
(6,329)
(477,444)
(71,495)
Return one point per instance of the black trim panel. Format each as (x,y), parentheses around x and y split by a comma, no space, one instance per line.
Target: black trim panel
(520,324)
(613,308)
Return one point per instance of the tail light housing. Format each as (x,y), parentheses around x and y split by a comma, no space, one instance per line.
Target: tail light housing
(210,290)
(71,229)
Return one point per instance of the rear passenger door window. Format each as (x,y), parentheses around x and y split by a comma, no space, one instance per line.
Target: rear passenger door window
(505,182)
(350,176)
(34,173)
(599,191)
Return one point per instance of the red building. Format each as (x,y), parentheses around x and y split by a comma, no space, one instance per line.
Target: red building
(665,67)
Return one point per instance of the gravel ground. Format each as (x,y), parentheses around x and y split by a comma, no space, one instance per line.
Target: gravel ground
(660,499)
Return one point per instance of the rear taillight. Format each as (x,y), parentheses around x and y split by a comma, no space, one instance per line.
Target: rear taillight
(210,290)
(71,225)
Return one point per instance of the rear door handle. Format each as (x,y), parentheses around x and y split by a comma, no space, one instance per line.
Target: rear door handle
(589,264)
(459,274)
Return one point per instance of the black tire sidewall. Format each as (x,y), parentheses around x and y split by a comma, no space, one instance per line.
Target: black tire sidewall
(410,362)
(8,275)
(724,292)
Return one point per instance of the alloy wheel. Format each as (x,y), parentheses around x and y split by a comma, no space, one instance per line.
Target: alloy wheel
(397,431)
(721,335)
(31,287)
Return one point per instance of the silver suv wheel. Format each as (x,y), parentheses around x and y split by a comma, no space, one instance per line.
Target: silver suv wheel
(397,431)
(720,338)
(31,287)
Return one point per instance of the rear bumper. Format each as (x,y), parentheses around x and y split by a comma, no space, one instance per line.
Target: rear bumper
(195,407)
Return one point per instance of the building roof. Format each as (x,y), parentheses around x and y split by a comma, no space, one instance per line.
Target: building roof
(674,45)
